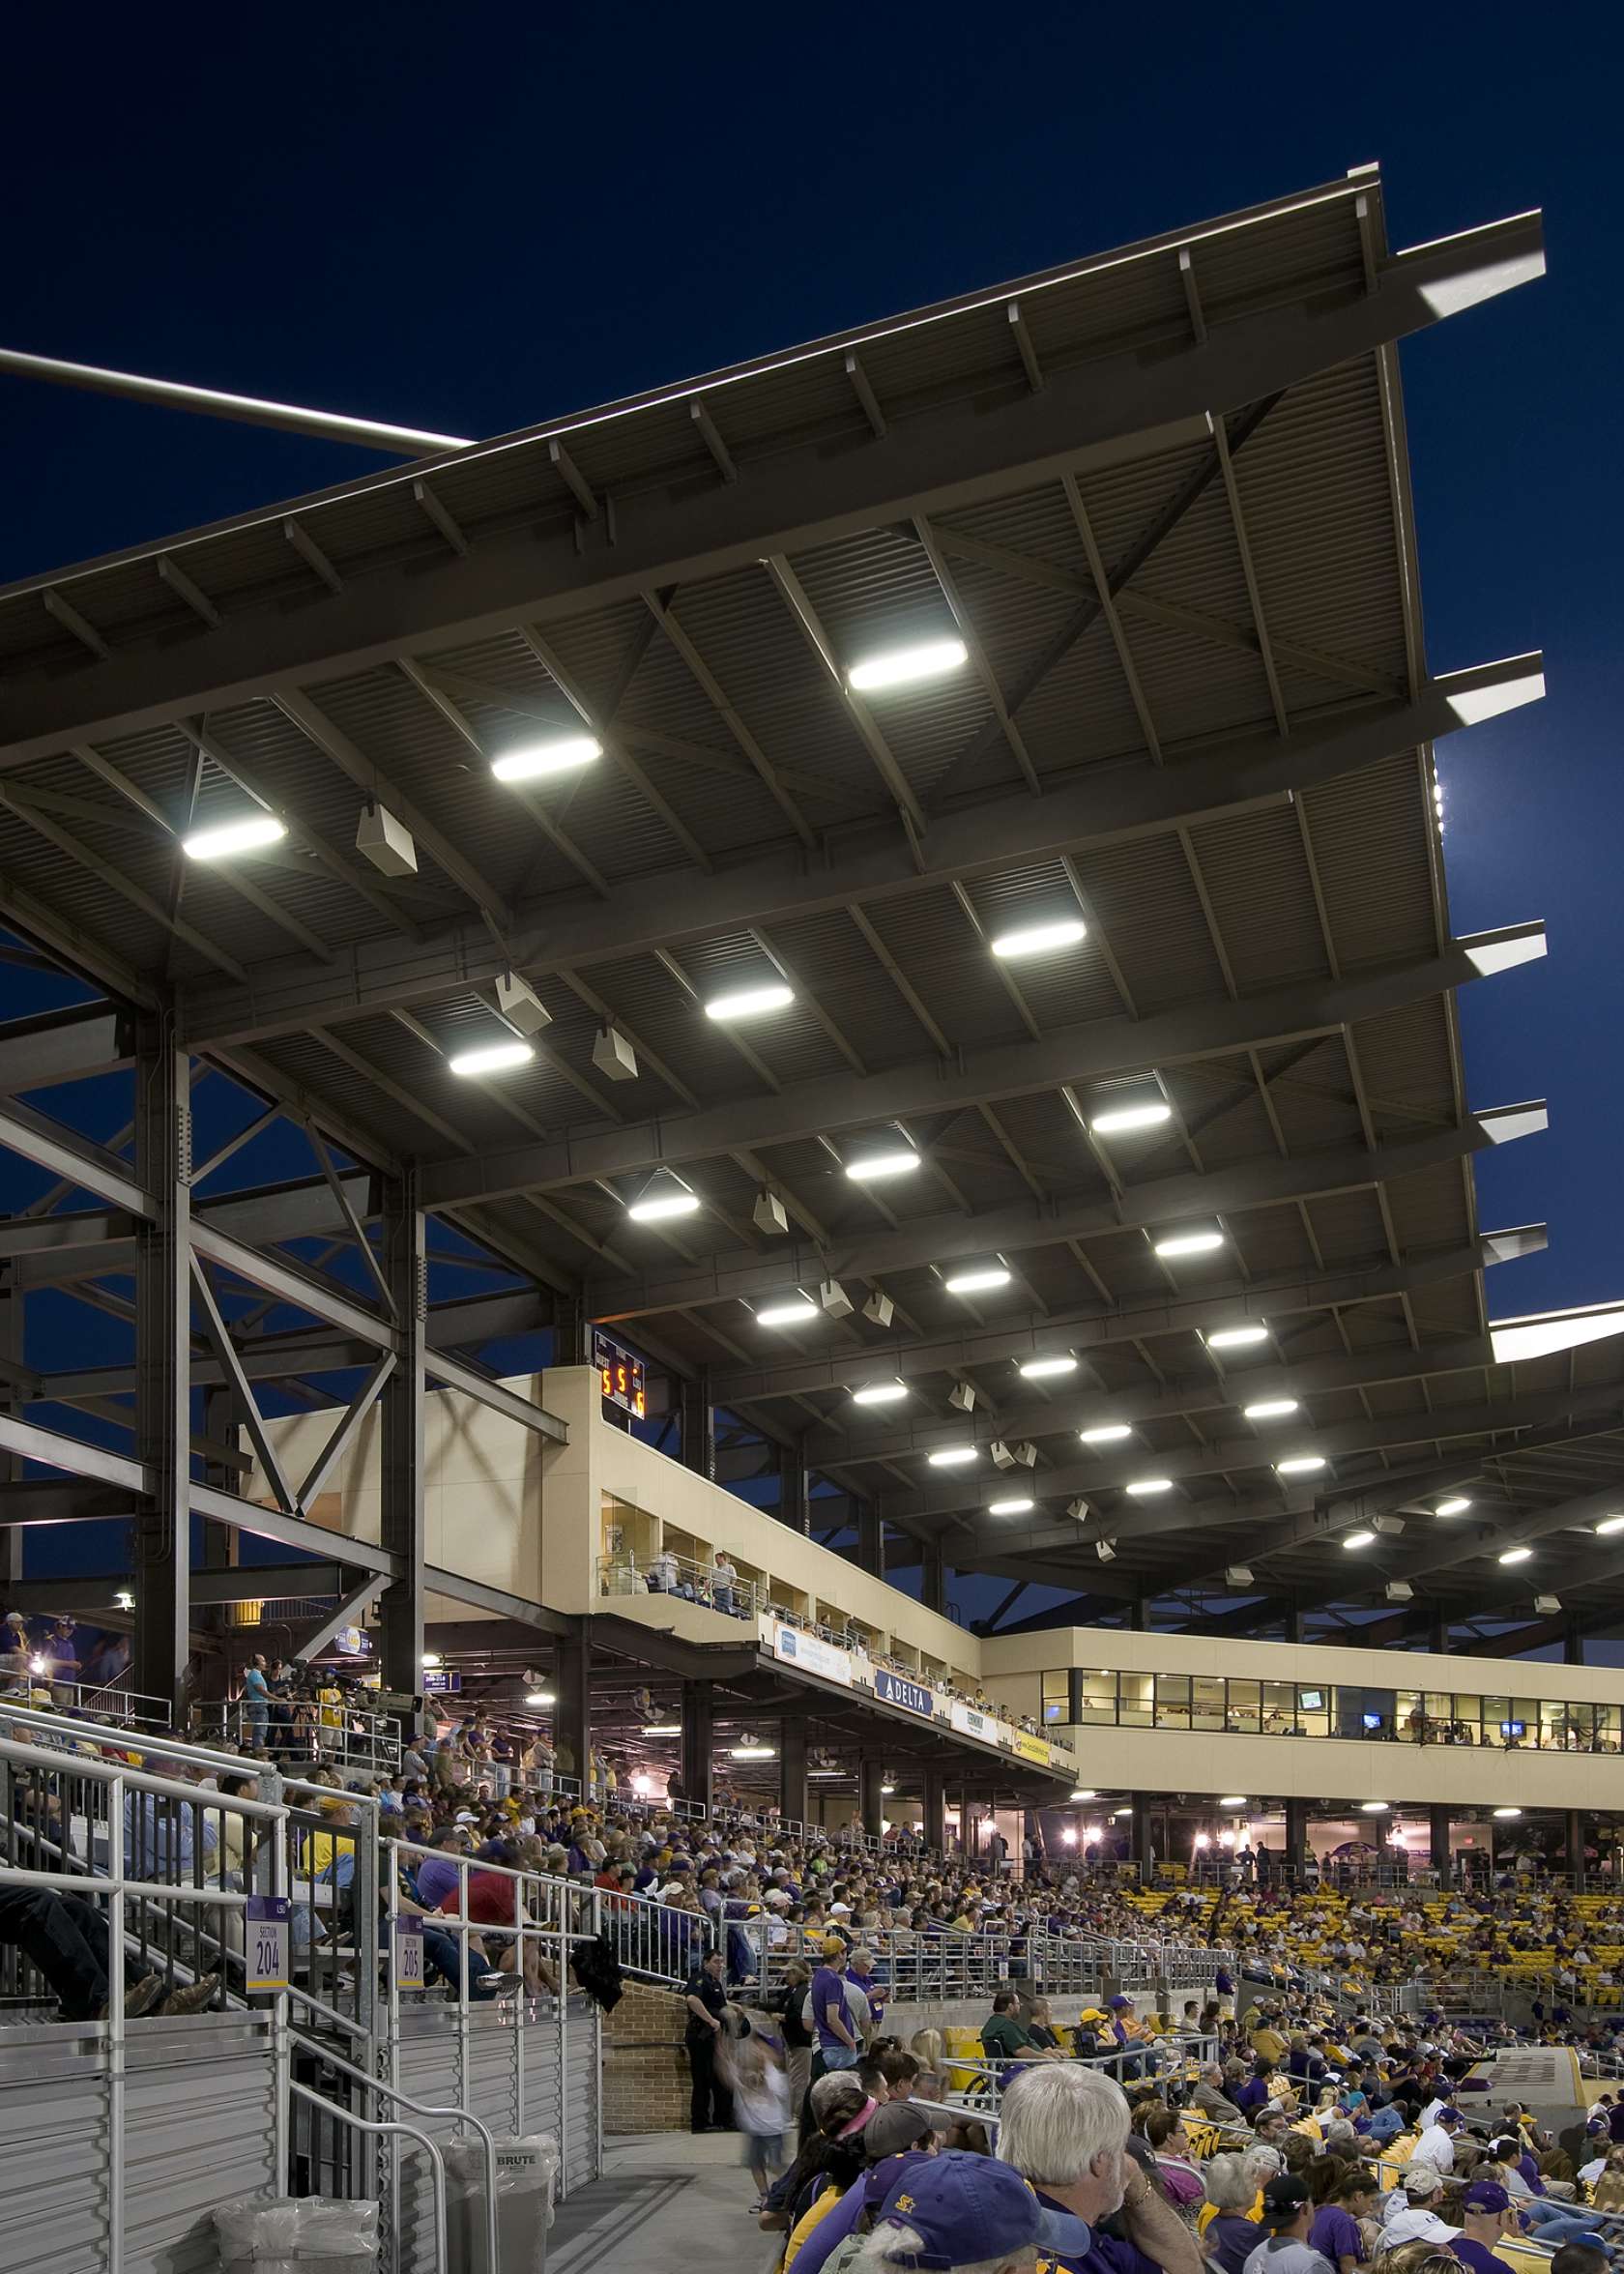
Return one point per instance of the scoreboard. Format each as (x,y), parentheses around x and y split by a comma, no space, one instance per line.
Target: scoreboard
(619,1375)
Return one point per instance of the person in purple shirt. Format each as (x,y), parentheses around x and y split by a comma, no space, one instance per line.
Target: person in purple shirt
(435,1875)
(832,2019)
(1486,2214)
(1335,2231)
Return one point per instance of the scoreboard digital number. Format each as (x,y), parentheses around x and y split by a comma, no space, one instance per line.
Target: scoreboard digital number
(619,1375)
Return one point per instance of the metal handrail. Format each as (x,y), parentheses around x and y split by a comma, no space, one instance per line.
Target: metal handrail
(376,2130)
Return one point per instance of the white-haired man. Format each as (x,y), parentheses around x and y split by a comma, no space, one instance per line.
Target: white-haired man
(953,2214)
(1065,2130)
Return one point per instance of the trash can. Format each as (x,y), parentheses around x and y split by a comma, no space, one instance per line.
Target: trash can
(526,2175)
(262,2234)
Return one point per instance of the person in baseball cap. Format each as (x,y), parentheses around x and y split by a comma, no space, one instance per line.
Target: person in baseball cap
(1486,2214)
(955,2210)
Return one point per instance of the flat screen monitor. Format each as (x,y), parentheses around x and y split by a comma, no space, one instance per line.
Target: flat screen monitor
(1372,1721)
(1514,1728)
(1310,1701)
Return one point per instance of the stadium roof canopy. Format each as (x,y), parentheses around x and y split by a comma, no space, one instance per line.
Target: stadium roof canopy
(1160,501)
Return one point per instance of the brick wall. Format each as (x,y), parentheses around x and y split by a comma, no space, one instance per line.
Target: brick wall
(646,2084)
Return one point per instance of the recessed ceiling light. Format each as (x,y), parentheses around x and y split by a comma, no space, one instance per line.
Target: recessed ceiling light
(1357,1539)
(954,1456)
(799,1313)
(1039,938)
(1610,1525)
(1015,1507)
(1144,1486)
(234,836)
(1189,1243)
(1455,1507)
(1106,1433)
(657,1200)
(879,1394)
(1272,1409)
(749,1002)
(1373,1807)
(978,1282)
(1514,1554)
(1300,1464)
(1041,1369)
(903,666)
(1123,1118)
(1236,1337)
(494,1059)
(533,760)
(867,1167)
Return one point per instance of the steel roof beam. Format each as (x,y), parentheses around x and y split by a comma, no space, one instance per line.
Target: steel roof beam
(87,1167)
(1092,1052)
(1097,412)
(1250,772)
(748,1275)
(1285,1294)
(62,1046)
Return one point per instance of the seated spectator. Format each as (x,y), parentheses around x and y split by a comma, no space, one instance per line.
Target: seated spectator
(1336,2233)
(1287,2216)
(1064,2128)
(1229,2231)
(955,2212)
(67,1939)
(1005,2037)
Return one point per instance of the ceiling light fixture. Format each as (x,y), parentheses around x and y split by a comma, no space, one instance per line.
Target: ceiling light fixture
(1143,1487)
(539,1697)
(1232,1801)
(1514,1554)
(869,1167)
(1608,1526)
(1041,1369)
(1357,1539)
(662,1729)
(799,1313)
(492,1057)
(1505,1815)
(1123,1119)
(534,761)
(905,666)
(1236,1337)
(1040,939)
(1084,1792)
(1189,1243)
(1300,1464)
(753,1751)
(954,1456)
(1015,1507)
(1458,1506)
(429,1658)
(662,1199)
(879,1394)
(1106,1433)
(234,836)
(750,1001)
(980,1281)
(1373,1807)
(1272,1409)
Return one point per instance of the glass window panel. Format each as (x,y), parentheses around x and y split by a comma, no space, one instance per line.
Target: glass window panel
(1137,1693)
(1056,1695)
(1206,1702)
(1610,1723)
(1280,1708)
(1173,1701)
(1244,1709)
(1099,1694)
(1314,1716)
(1468,1719)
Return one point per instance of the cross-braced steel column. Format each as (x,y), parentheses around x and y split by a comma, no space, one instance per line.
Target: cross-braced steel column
(163,1557)
(400,1610)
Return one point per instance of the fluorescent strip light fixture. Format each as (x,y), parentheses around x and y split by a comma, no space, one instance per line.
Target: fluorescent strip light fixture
(1357,1539)
(662,1729)
(1300,1464)
(1042,939)
(1224,1338)
(1507,1815)
(800,1313)
(234,836)
(869,1167)
(1123,1119)
(656,1201)
(536,761)
(954,1456)
(1272,1409)
(1106,1433)
(750,1001)
(1373,1807)
(539,1697)
(1143,1488)
(494,1058)
(1189,1243)
(1041,1369)
(879,1394)
(1608,1526)
(1232,1801)
(1015,1507)
(978,1282)
(1514,1554)
(753,1751)
(905,666)
(1458,1506)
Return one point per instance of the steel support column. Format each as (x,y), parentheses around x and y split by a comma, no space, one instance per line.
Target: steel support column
(793,1508)
(1574,1829)
(400,1611)
(698,1741)
(934,1827)
(572,1680)
(1439,1828)
(1572,1643)
(699,1427)
(871,1540)
(871,1775)
(1297,1835)
(933,1580)
(792,1767)
(163,1558)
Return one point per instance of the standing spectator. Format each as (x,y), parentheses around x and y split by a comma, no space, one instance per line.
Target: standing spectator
(786,2004)
(724,1579)
(831,2017)
(706,1998)
(256,1703)
(662,1573)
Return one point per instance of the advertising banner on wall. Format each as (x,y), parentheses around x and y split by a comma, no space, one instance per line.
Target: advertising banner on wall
(970,1724)
(896,1689)
(812,1655)
(1032,1749)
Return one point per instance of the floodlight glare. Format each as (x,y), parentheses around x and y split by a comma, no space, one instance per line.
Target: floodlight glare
(495,1057)
(749,1002)
(534,761)
(234,836)
(903,666)
(1039,938)
(1123,1118)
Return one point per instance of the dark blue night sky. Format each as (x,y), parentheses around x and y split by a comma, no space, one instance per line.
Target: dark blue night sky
(473,220)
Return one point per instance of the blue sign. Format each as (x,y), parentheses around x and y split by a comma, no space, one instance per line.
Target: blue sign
(897,1690)
(441,1681)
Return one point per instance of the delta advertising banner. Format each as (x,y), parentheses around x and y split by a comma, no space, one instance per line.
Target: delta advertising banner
(896,1689)
(812,1655)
